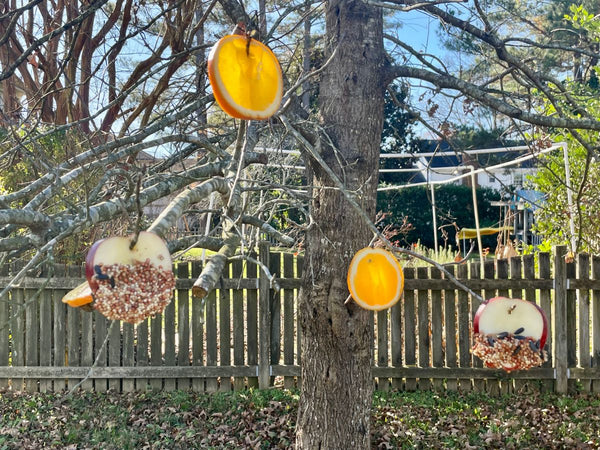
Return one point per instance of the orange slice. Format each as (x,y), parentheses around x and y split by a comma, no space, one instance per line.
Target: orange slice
(81,295)
(375,279)
(245,77)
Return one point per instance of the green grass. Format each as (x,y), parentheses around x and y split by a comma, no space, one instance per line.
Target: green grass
(194,254)
(266,419)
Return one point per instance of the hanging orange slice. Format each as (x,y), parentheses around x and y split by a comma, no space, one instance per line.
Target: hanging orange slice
(245,77)
(375,279)
(81,295)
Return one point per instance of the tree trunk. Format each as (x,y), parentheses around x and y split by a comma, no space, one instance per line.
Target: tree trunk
(337,384)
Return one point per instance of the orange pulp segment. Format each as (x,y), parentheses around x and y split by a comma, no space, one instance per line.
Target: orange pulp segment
(375,279)
(245,77)
(81,295)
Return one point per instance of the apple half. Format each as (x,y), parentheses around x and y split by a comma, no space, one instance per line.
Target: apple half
(130,283)
(510,334)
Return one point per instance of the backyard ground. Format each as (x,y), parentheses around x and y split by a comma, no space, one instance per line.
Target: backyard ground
(265,419)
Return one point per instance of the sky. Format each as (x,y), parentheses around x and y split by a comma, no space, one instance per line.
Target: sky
(420,31)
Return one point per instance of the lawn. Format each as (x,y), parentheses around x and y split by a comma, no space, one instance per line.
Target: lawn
(265,419)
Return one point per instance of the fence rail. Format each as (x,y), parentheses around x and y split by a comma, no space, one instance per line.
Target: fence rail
(245,334)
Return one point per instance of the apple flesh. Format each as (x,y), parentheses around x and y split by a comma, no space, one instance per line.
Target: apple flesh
(130,283)
(510,334)
(501,314)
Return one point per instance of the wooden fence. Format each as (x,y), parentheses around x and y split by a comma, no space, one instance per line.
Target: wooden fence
(246,334)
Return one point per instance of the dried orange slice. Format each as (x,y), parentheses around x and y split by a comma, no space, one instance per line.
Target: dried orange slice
(375,279)
(245,77)
(81,295)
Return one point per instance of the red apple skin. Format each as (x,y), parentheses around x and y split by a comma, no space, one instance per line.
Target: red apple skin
(479,311)
(89,265)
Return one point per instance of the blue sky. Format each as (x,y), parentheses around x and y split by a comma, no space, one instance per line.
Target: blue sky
(420,31)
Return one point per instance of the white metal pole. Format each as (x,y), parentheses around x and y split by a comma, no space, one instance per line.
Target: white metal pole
(569,195)
(434,213)
(476,211)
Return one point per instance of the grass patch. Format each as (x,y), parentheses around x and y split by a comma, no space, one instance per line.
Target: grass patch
(194,254)
(266,419)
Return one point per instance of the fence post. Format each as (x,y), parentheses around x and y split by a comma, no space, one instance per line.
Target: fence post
(560,320)
(264,321)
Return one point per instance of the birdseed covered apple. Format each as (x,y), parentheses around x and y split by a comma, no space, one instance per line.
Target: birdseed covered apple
(130,283)
(510,334)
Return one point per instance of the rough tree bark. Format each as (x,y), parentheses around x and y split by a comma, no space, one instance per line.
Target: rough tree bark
(337,385)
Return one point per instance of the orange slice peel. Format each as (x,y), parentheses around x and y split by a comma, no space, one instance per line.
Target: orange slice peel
(375,279)
(245,77)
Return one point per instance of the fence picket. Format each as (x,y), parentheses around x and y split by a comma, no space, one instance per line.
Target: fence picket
(530,295)
(237,273)
(489,272)
(45,334)
(410,344)
(382,347)
(87,346)
(156,358)
(506,385)
(114,352)
(73,331)
(450,332)
(198,310)
(211,338)
(183,324)
(141,354)
(478,385)
(252,321)
(571,325)
(18,334)
(275,306)
(437,352)
(546,305)
(596,322)
(128,384)
(464,326)
(288,319)
(560,320)
(264,320)
(396,344)
(73,342)
(423,327)
(516,266)
(60,312)
(32,328)
(515,274)
(169,356)
(529,274)
(583,300)
(224,336)
(4,329)
(100,349)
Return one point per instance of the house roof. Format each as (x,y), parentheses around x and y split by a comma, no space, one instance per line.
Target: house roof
(431,146)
